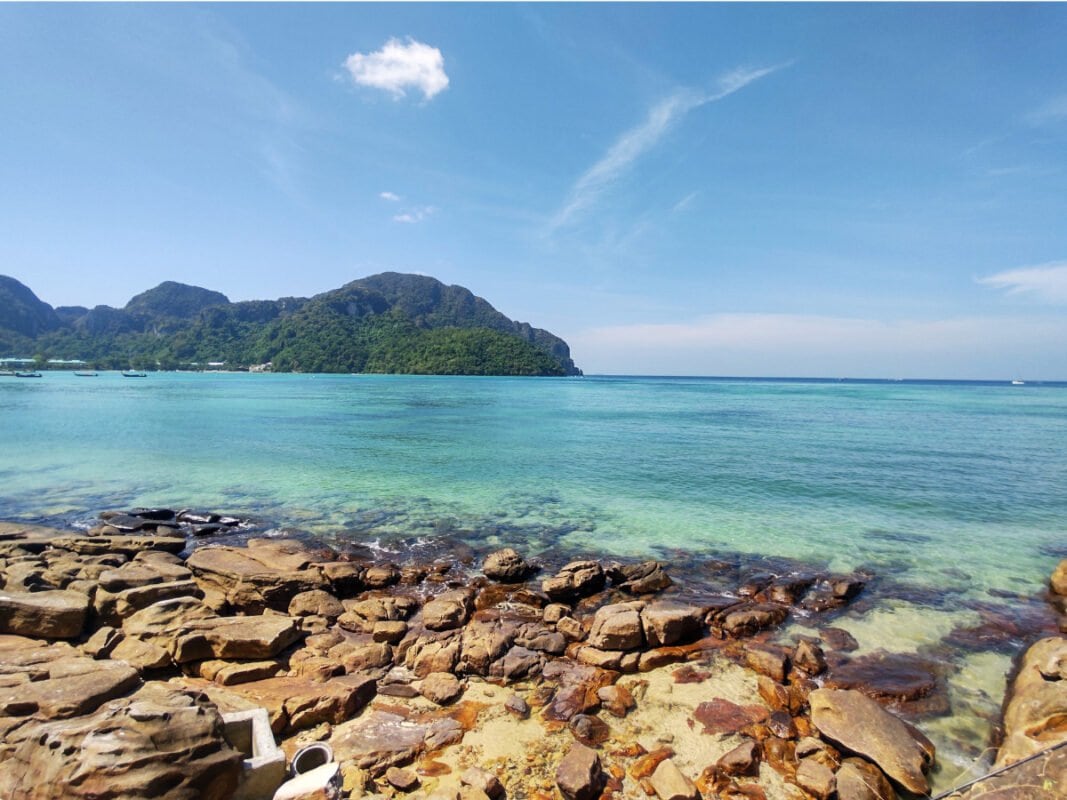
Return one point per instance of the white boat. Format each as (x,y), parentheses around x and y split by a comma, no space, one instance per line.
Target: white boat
(1018,383)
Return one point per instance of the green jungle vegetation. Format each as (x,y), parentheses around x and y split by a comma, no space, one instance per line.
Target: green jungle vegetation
(388,323)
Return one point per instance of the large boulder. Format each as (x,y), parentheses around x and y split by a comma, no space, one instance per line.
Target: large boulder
(1036,714)
(59,683)
(380,739)
(235,638)
(856,723)
(617,627)
(46,615)
(266,574)
(668,623)
(506,566)
(298,703)
(579,775)
(158,742)
(575,580)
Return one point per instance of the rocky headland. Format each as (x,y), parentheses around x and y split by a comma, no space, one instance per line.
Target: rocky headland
(155,656)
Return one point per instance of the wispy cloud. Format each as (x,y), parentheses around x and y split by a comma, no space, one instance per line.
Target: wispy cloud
(683,204)
(389,196)
(414,215)
(400,66)
(1054,108)
(640,139)
(1045,282)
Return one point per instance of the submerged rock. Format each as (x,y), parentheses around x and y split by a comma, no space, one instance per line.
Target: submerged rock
(853,721)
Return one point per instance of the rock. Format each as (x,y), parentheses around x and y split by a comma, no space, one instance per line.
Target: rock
(517,663)
(113,607)
(616,700)
(266,574)
(571,629)
(317,603)
(1058,581)
(749,619)
(155,742)
(768,660)
(403,779)
(670,623)
(141,655)
(743,760)
(860,780)
(578,687)
(63,686)
(1035,714)
(838,639)
(720,716)
(363,615)
(442,688)
(517,706)
(809,658)
(816,779)
(298,703)
(484,781)
(670,784)
(447,611)
(575,580)
(589,730)
(345,577)
(886,676)
(255,637)
(380,739)
(124,545)
(227,673)
(506,566)
(855,722)
(391,631)
(617,627)
(45,615)
(579,775)
(554,612)
(381,576)
(644,578)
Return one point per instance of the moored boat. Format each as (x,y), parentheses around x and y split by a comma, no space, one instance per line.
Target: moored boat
(133,374)
(86,374)
(28,374)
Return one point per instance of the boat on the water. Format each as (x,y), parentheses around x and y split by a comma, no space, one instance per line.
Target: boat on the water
(1018,383)
(86,374)
(134,374)
(28,374)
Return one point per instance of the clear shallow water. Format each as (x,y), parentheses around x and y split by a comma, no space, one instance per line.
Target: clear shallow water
(911,479)
(955,490)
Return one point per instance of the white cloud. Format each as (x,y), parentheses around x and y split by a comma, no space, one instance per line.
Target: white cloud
(390,196)
(1046,282)
(637,141)
(683,204)
(400,66)
(1055,108)
(414,215)
(817,346)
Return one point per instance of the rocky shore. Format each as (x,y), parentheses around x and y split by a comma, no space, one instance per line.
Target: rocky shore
(135,665)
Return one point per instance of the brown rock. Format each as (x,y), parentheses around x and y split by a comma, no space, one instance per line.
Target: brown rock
(670,623)
(265,574)
(860,780)
(743,760)
(517,706)
(816,779)
(380,739)
(589,730)
(484,781)
(506,566)
(571,629)
(158,741)
(1058,581)
(576,579)
(809,657)
(141,655)
(768,660)
(73,686)
(644,578)
(578,685)
(616,700)
(403,779)
(579,775)
(44,615)
(298,703)
(317,603)
(234,638)
(1036,713)
(670,784)
(721,716)
(391,631)
(447,611)
(617,627)
(749,619)
(442,688)
(857,723)
(381,576)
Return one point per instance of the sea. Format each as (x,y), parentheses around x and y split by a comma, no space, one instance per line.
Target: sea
(952,496)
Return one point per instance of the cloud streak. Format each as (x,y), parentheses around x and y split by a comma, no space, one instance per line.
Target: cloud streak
(1044,282)
(414,215)
(400,66)
(642,138)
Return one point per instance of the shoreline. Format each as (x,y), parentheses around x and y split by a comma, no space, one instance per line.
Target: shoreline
(725,624)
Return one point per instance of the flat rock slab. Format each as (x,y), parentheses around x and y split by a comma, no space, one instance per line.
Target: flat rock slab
(855,722)
(266,574)
(720,716)
(235,638)
(44,615)
(74,686)
(298,703)
(381,739)
(158,742)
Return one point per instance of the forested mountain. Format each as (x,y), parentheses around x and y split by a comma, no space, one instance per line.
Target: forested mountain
(390,323)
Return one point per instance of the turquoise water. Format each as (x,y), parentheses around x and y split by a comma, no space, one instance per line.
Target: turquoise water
(955,492)
(906,478)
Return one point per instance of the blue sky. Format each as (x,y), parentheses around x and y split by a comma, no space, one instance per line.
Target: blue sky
(838,190)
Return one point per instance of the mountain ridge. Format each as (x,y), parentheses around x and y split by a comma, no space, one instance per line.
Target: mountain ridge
(389,322)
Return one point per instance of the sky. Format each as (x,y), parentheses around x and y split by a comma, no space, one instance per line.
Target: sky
(692,189)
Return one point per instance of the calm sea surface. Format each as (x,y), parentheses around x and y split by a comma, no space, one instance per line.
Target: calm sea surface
(956,489)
